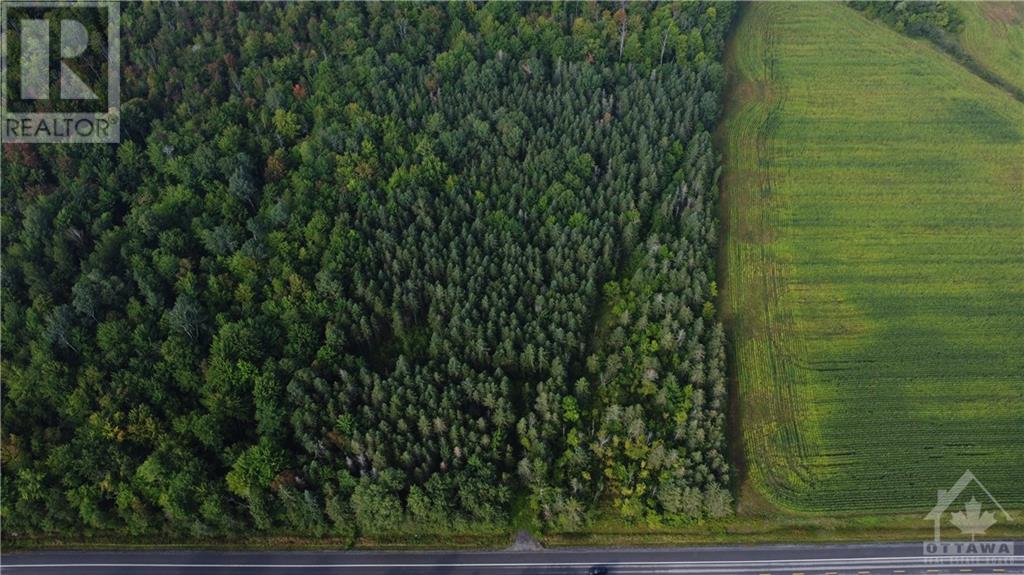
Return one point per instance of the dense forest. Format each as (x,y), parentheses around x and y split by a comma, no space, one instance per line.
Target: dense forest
(355,267)
(930,19)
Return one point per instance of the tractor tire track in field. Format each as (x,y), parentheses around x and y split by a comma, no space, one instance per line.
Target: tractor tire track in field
(764,406)
(783,470)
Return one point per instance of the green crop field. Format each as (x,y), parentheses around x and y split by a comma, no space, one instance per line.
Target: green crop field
(994,36)
(874,257)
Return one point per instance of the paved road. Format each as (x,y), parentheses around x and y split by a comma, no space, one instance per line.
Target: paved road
(896,559)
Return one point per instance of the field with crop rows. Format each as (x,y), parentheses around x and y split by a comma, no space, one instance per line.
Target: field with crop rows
(874,258)
(993,35)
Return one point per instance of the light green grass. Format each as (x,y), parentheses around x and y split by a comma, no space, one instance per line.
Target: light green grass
(607,531)
(874,258)
(773,528)
(993,35)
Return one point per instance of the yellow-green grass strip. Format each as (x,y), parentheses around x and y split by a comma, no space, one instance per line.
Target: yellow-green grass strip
(993,36)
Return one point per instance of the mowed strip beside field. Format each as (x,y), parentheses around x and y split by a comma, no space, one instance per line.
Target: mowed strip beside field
(874,258)
(993,35)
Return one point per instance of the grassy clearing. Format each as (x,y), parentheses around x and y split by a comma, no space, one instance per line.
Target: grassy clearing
(774,528)
(874,249)
(608,532)
(993,35)
(269,542)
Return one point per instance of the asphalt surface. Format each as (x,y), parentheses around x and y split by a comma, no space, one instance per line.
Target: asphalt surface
(896,559)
